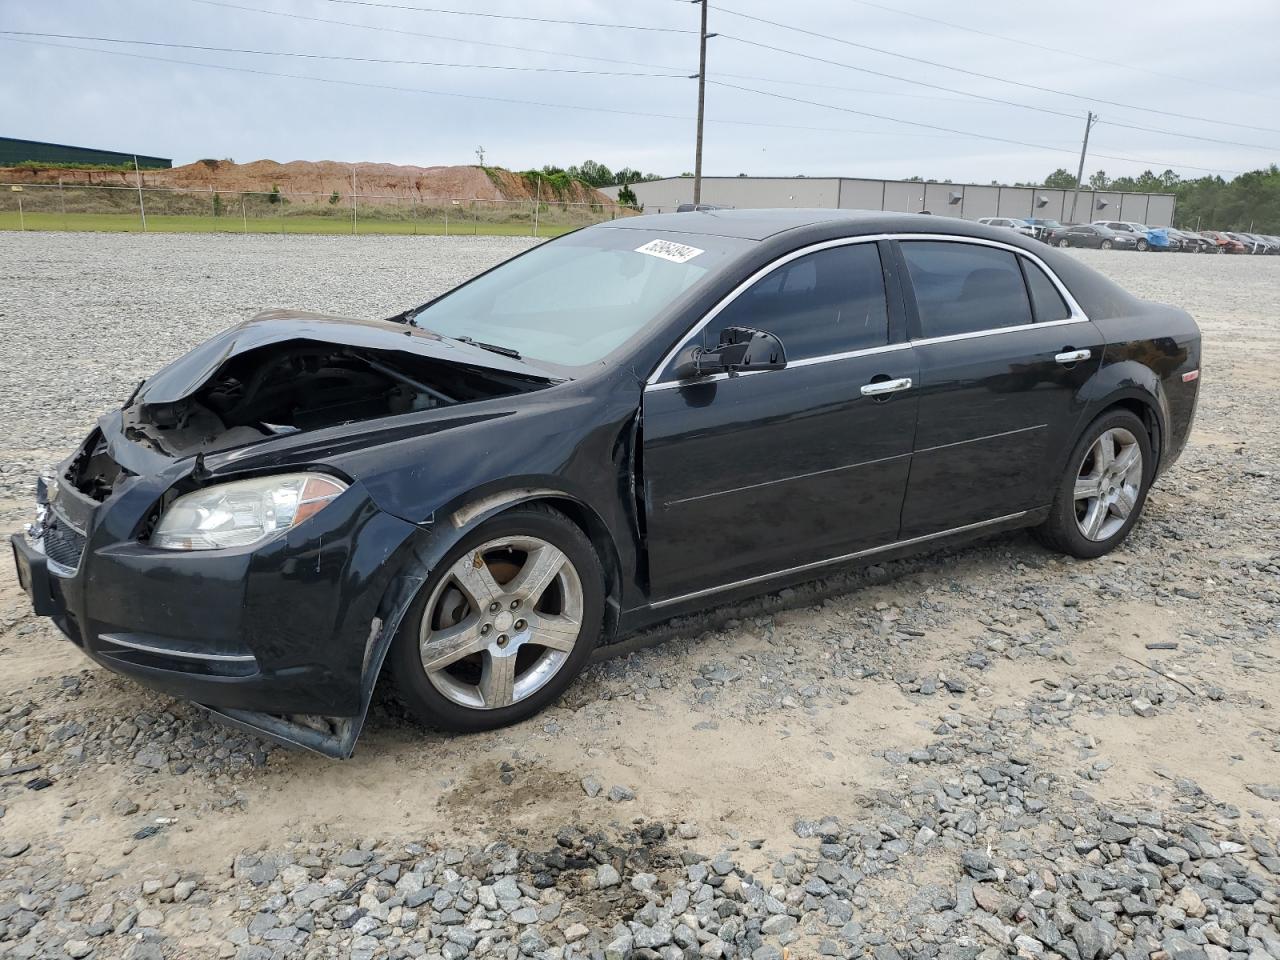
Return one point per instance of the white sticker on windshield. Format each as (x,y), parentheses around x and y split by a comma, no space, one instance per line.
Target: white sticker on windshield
(670,250)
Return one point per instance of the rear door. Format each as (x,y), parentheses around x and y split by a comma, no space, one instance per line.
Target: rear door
(1003,352)
(749,475)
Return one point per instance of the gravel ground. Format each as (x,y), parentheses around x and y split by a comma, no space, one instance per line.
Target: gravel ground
(986,752)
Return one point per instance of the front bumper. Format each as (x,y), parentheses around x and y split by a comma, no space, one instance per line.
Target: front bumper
(284,627)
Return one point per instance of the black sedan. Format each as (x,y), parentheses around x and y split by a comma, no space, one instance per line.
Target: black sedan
(1191,242)
(631,422)
(1093,235)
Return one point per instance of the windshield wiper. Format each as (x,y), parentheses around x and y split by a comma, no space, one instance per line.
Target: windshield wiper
(491,347)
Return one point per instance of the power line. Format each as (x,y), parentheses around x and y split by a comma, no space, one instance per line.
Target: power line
(890,76)
(1191,136)
(444,93)
(979,96)
(975,73)
(611,110)
(324,56)
(433,36)
(952,130)
(1145,71)
(509,16)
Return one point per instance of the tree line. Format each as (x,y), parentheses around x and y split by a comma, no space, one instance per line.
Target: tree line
(1249,202)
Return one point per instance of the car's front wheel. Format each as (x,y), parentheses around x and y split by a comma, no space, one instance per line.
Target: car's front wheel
(1107,244)
(1143,245)
(1103,491)
(1064,242)
(503,624)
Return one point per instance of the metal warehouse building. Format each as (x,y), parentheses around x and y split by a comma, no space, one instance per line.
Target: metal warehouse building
(969,201)
(14,151)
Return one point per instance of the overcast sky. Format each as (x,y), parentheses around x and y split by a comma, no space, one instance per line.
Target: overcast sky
(1187,57)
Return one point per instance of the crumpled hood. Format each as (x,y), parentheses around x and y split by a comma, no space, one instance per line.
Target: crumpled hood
(188,373)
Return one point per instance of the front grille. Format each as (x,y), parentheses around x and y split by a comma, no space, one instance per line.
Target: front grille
(63,545)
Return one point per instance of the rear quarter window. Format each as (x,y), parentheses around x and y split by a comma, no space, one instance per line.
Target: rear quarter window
(1046,302)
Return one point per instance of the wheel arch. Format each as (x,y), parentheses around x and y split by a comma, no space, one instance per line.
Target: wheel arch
(435,540)
(479,508)
(1132,386)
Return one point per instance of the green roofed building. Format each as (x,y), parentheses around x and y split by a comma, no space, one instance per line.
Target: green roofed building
(14,152)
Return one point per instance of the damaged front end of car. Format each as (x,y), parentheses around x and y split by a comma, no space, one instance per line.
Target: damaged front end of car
(211,540)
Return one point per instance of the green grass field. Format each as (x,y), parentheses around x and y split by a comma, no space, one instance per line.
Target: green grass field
(164,223)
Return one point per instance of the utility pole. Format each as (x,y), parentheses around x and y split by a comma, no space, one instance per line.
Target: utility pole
(702,95)
(1084,149)
(142,207)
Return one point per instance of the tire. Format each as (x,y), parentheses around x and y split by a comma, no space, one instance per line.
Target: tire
(1143,245)
(1107,245)
(1064,242)
(451,697)
(1064,529)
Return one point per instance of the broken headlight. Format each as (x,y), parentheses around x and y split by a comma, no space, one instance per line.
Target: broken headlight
(243,512)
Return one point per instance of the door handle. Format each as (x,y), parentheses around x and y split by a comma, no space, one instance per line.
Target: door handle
(1073,356)
(881,387)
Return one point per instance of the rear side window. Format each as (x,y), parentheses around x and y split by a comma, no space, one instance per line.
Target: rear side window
(823,303)
(1046,301)
(965,288)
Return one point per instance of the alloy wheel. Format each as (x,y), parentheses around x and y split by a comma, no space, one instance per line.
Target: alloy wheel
(1108,484)
(1064,243)
(501,623)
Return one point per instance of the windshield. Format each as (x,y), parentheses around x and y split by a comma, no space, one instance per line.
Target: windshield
(573,301)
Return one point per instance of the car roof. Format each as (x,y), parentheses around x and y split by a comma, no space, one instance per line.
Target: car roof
(762,224)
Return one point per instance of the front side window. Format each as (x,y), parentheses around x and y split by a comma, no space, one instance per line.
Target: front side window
(965,288)
(573,301)
(828,302)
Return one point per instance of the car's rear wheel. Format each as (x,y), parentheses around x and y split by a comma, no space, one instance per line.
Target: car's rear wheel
(1107,244)
(1064,242)
(503,624)
(1104,489)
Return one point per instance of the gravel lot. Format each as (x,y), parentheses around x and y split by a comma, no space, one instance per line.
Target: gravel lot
(985,752)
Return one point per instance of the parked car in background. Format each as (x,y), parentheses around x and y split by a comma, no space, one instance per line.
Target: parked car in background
(1042,227)
(1267,245)
(1250,244)
(697,207)
(1193,242)
(1162,238)
(1095,236)
(1011,223)
(1275,244)
(1224,241)
(472,495)
(1140,231)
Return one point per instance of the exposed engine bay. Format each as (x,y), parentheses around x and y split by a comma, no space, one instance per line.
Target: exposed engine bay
(302,385)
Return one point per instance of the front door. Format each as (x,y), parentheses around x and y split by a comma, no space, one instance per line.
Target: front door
(746,476)
(1003,356)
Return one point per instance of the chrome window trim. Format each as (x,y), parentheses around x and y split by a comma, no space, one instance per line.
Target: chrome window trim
(806,362)
(818,564)
(992,332)
(1077,312)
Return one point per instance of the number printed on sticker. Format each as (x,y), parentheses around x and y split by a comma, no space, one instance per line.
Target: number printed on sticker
(670,250)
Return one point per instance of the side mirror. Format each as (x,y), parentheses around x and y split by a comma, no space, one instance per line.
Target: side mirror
(740,349)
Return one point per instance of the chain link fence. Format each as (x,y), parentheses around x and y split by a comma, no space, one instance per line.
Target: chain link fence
(121,208)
